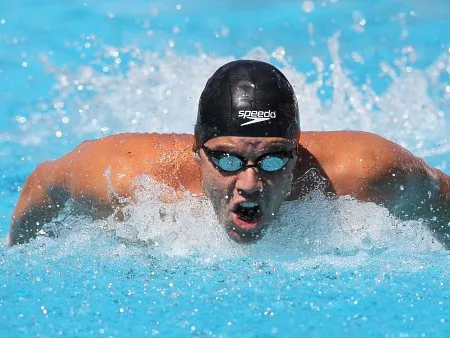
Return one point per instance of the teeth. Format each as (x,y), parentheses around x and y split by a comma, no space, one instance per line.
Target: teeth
(248,204)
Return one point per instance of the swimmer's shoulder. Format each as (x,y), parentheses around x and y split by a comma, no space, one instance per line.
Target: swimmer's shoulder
(341,146)
(123,141)
(127,146)
(352,160)
(122,157)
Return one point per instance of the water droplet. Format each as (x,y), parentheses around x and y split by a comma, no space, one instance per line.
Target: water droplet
(308,6)
(21,119)
(279,53)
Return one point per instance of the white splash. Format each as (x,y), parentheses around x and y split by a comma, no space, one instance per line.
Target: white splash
(305,231)
(154,93)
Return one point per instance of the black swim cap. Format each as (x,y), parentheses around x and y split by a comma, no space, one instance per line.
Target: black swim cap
(247,98)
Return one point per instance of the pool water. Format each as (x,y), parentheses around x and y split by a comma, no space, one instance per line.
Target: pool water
(77,70)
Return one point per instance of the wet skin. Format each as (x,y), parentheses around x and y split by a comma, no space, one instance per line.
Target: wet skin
(227,191)
(99,175)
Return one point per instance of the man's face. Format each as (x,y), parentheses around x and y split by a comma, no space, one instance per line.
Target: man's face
(245,201)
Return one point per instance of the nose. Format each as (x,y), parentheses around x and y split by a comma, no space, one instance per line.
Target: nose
(248,182)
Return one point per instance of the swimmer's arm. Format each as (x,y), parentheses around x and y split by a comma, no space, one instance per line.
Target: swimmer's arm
(97,178)
(40,201)
(422,195)
(412,190)
(78,177)
(46,192)
(371,168)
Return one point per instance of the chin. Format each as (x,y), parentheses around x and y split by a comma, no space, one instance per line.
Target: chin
(244,236)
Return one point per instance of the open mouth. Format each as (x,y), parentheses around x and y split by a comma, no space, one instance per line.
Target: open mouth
(246,215)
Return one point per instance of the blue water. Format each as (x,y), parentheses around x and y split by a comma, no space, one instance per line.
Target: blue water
(74,70)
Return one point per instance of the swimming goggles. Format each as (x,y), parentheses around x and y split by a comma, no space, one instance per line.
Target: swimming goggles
(233,163)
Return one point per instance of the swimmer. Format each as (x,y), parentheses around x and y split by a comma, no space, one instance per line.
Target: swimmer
(247,156)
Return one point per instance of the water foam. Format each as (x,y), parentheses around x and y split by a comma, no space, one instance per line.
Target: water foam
(315,229)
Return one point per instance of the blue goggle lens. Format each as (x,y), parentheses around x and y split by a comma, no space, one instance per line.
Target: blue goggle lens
(228,163)
(273,163)
(232,163)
